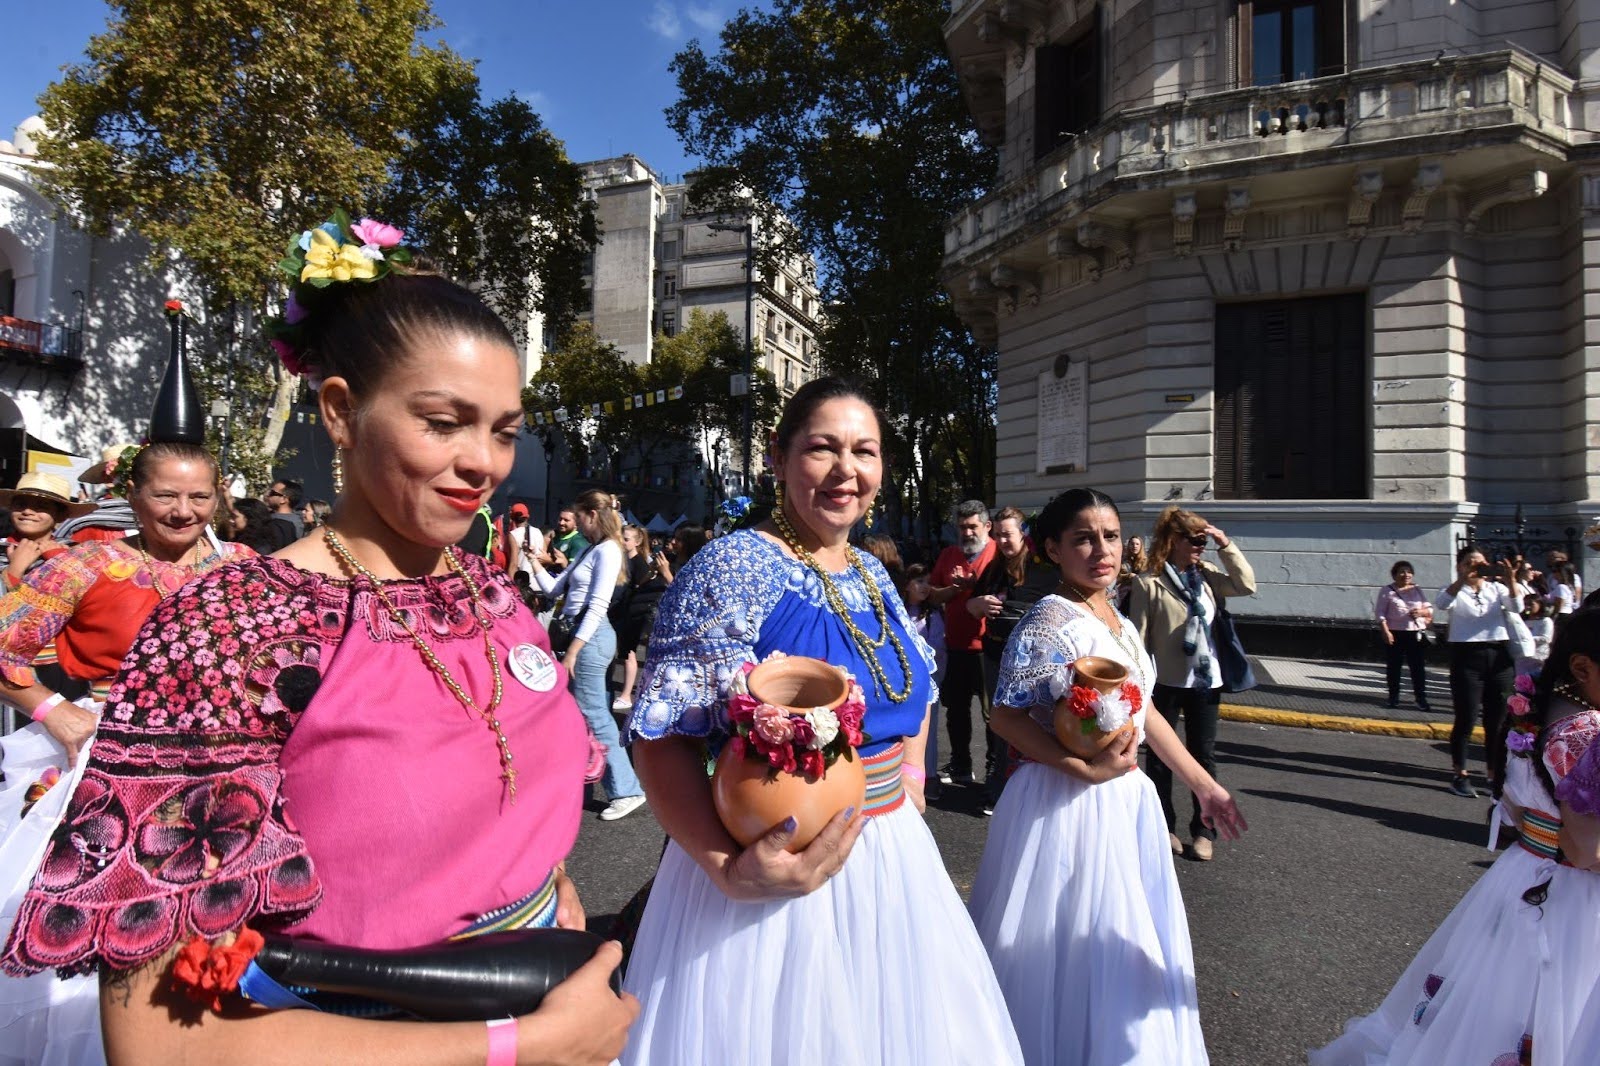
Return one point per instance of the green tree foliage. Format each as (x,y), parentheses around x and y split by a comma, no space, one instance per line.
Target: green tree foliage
(217,128)
(490,192)
(844,120)
(584,371)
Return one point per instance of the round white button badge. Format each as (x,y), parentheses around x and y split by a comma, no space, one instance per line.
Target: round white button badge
(532,665)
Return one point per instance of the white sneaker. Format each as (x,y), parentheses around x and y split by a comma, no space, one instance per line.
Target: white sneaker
(621,807)
(620,704)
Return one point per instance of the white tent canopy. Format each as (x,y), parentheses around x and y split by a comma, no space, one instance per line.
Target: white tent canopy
(659,525)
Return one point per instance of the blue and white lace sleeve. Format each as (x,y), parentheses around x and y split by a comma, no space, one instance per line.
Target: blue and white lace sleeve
(1034,668)
(705,629)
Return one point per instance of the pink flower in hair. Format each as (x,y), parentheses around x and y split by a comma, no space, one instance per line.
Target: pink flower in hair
(290,358)
(381,234)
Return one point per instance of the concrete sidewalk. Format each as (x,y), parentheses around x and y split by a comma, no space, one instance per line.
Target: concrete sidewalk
(1346,696)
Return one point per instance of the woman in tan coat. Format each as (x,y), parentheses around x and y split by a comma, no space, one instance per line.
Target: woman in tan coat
(1174,604)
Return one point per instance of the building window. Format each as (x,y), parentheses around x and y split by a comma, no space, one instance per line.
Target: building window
(669,250)
(669,285)
(1291,406)
(789,382)
(1290,40)
(1066,89)
(669,324)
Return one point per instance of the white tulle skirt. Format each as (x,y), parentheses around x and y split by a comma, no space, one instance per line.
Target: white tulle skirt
(879,967)
(44,1020)
(1078,903)
(1497,970)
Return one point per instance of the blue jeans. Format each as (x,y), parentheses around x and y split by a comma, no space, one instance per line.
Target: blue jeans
(589,689)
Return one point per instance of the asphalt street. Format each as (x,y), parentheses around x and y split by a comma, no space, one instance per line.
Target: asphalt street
(1356,851)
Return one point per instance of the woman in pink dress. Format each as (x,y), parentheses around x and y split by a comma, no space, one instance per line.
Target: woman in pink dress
(362,740)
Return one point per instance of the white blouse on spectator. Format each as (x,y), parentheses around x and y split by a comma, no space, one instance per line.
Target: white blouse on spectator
(1476,617)
(592,579)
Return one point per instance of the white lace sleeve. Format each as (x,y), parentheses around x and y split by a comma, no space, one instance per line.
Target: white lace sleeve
(1034,668)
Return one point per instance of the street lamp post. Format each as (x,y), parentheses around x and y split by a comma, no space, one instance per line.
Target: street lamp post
(748,231)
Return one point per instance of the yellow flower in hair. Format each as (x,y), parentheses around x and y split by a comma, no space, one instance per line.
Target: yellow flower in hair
(328,258)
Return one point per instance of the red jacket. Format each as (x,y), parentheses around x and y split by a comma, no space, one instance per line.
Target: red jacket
(962,632)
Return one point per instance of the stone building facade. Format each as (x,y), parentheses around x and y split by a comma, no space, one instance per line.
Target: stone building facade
(82,339)
(1327,270)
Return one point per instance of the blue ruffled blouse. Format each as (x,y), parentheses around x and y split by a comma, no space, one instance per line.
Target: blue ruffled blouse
(741,598)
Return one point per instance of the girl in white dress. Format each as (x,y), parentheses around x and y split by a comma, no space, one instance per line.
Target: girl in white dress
(1076,898)
(1505,978)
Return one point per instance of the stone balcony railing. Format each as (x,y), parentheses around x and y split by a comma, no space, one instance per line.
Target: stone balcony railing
(1173,143)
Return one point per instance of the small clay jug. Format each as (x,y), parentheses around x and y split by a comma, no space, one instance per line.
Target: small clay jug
(1105,676)
(751,799)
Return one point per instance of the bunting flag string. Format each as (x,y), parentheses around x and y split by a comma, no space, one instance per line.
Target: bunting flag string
(638,401)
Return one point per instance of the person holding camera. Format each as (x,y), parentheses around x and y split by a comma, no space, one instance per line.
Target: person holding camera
(1404,615)
(1480,664)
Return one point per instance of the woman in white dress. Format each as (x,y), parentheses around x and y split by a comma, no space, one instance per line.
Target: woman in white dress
(1076,898)
(855,951)
(1505,978)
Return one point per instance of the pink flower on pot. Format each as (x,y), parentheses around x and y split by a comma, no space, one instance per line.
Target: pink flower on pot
(772,725)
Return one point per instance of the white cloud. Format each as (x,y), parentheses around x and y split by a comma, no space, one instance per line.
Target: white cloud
(536,99)
(664,20)
(706,19)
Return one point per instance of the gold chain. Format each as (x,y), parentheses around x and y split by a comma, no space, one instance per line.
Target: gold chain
(1131,648)
(149,566)
(508,773)
(866,645)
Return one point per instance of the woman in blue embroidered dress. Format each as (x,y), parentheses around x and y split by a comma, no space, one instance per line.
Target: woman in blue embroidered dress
(1504,979)
(754,956)
(1076,898)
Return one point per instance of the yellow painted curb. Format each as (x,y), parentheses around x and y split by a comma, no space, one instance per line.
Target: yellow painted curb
(1387,727)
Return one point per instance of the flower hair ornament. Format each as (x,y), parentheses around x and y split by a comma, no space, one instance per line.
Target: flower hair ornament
(335,253)
(1524,725)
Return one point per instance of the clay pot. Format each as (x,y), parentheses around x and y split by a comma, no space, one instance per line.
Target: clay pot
(1104,676)
(752,801)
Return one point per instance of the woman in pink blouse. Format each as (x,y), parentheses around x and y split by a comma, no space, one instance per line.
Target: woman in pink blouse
(362,740)
(1404,615)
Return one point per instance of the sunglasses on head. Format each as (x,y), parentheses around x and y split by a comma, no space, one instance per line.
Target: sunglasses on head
(1199,540)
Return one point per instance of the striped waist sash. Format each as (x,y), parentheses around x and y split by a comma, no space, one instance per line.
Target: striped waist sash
(1541,834)
(99,690)
(885,791)
(535,910)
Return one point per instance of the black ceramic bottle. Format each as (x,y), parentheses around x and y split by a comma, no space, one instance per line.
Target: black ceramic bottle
(497,975)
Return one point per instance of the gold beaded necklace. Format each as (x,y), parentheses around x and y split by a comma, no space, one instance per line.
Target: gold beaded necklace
(508,773)
(155,579)
(1129,647)
(864,644)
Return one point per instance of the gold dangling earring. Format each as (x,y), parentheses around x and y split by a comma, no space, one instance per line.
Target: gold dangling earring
(871,507)
(778,495)
(338,471)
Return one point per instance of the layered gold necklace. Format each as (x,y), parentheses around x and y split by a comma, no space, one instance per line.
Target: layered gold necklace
(867,646)
(188,570)
(489,714)
(1130,647)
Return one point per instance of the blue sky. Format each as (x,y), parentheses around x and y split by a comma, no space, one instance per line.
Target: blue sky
(596,70)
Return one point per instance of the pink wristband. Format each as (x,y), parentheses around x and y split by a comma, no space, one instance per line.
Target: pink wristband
(916,773)
(502,1042)
(55,700)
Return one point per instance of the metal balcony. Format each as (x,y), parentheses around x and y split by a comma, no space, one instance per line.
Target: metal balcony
(41,344)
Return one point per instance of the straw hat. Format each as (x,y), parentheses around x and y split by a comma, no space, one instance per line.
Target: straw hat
(50,487)
(100,473)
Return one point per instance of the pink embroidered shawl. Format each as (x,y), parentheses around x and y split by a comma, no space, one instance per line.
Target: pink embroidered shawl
(275,751)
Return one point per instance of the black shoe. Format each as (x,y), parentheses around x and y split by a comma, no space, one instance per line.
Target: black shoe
(1423,705)
(1391,704)
(1462,787)
(945,777)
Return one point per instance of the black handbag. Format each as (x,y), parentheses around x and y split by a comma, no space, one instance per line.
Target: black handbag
(562,630)
(1237,675)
